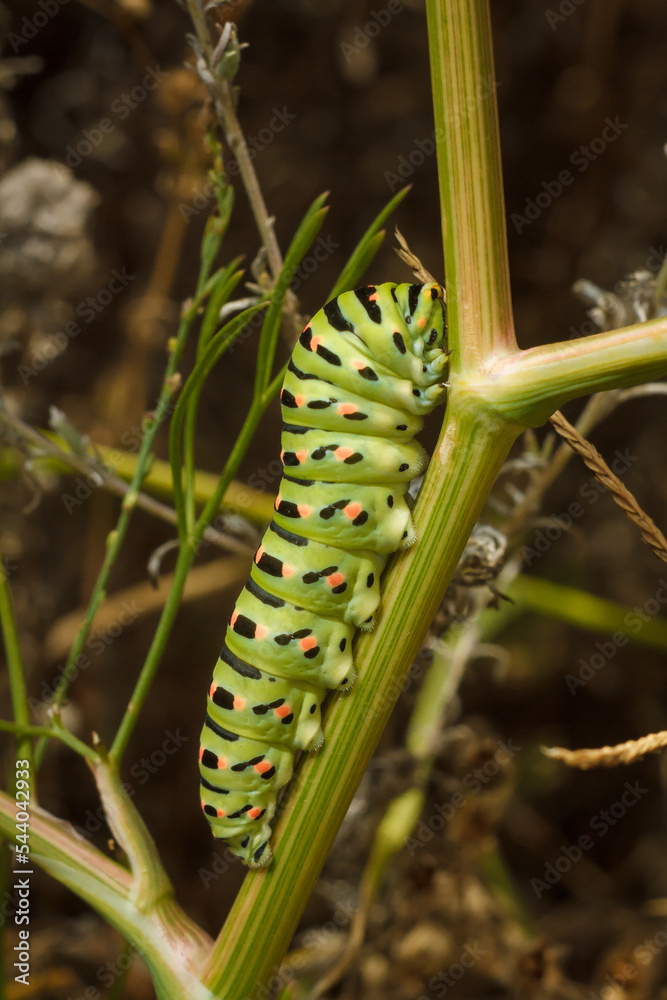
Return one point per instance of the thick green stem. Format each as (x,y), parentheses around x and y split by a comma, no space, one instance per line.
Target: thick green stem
(483,419)
(15,668)
(469,170)
(455,491)
(171,944)
(530,385)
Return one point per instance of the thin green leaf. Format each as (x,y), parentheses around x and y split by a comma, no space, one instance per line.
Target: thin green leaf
(216,227)
(224,283)
(366,248)
(191,390)
(577,607)
(303,239)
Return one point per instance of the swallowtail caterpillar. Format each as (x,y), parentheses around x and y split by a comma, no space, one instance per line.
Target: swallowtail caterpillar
(365,370)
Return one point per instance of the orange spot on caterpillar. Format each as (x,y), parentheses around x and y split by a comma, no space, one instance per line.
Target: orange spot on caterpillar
(374,297)
(222,763)
(277,503)
(259,553)
(288,570)
(254,812)
(335,579)
(308,642)
(235,615)
(239,704)
(347,408)
(302,455)
(352,510)
(281,454)
(342,453)
(299,400)
(203,804)
(358,364)
(201,752)
(263,766)
(304,510)
(211,690)
(315,343)
(261,631)
(282,711)
(422,322)
(221,814)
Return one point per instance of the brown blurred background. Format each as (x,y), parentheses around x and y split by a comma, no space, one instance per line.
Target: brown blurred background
(353,115)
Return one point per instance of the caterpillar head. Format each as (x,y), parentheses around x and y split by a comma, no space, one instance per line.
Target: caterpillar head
(423,311)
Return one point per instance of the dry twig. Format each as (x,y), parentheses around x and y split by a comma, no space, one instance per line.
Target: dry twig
(407,256)
(622,753)
(651,534)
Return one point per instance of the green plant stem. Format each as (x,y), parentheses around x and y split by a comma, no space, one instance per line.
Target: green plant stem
(219,295)
(15,672)
(529,386)
(150,882)
(171,944)
(583,610)
(63,461)
(247,948)
(186,555)
(55,732)
(254,505)
(469,170)
(482,421)
(222,94)
(116,537)
(236,140)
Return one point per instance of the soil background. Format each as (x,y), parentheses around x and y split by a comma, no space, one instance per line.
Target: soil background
(354,108)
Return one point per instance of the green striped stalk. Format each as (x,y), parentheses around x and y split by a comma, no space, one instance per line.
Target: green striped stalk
(496,392)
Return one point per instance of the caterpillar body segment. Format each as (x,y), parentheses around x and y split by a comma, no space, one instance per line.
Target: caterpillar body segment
(319,405)
(366,369)
(291,642)
(351,516)
(311,453)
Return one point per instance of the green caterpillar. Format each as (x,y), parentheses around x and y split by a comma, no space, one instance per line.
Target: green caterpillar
(365,369)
